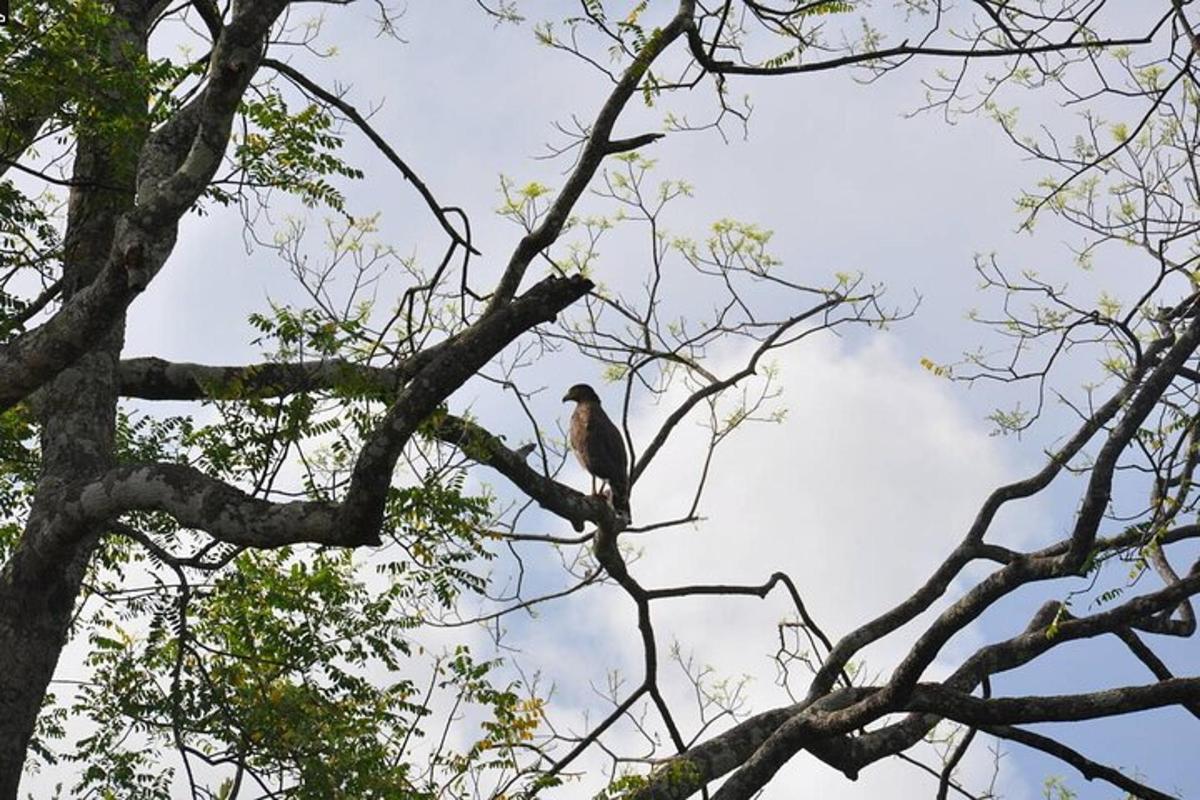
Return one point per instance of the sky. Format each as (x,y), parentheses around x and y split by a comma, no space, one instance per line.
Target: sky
(879,465)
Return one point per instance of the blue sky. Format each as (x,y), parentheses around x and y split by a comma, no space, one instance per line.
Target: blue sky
(879,466)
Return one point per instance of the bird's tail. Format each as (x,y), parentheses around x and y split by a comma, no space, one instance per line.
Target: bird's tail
(620,496)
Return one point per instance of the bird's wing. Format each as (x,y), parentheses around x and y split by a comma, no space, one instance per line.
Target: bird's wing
(606,447)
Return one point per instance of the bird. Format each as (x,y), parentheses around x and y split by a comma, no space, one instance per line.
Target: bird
(598,444)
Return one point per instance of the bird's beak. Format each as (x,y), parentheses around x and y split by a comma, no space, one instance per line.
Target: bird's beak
(566,397)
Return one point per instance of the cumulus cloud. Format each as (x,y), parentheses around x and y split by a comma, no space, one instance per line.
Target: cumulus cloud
(870,480)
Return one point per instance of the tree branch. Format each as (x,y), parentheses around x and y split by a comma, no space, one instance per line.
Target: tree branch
(970,710)
(316,90)
(480,445)
(176,165)
(157,379)
(593,152)
(444,373)
(1089,769)
(229,514)
(905,51)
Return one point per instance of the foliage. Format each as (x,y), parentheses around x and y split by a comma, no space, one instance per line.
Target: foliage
(285,664)
(290,152)
(29,244)
(56,63)
(317,671)
(18,471)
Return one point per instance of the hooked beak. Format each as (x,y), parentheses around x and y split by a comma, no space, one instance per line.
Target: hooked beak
(566,397)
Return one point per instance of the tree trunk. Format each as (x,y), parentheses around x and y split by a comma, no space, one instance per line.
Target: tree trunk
(40,584)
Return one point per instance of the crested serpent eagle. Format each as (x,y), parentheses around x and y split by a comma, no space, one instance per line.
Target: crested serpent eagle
(598,444)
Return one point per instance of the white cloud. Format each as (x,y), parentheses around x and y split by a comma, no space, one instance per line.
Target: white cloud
(868,483)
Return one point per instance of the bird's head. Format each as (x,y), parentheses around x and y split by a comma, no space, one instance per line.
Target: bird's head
(581,393)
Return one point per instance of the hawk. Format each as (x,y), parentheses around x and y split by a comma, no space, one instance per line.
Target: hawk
(598,444)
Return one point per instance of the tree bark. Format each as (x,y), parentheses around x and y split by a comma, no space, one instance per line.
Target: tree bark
(40,584)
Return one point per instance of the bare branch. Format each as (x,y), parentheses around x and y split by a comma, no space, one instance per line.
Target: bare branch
(593,152)
(338,102)
(1087,768)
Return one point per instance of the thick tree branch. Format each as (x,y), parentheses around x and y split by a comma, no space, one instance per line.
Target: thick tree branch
(225,512)
(1049,628)
(192,498)
(686,774)
(163,198)
(199,501)
(966,551)
(437,380)
(776,746)
(175,167)
(803,729)
(1139,397)
(156,379)
(1099,488)
(970,710)
(477,443)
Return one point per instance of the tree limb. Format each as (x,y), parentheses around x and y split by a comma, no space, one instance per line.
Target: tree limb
(176,165)
(1089,769)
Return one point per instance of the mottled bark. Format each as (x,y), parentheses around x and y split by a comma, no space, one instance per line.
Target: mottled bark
(173,169)
(66,368)
(39,584)
(123,220)
(155,379)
